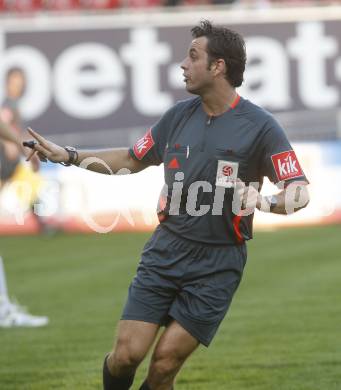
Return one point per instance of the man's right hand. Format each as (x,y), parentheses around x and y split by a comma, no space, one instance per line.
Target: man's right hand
(47,150)
(107,161)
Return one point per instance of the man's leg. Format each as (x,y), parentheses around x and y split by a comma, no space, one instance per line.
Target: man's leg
(134,338)
(4,300)
(12,314)
(3,285)
(171,351)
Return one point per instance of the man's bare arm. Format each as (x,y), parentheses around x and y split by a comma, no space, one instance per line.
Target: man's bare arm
(295,197)
(116,159)
(288,201)
(105,161)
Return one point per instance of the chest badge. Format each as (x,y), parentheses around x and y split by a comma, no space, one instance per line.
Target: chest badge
(173,164)
(227,173)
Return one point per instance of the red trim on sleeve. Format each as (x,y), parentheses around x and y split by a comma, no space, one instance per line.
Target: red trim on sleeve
(236,226)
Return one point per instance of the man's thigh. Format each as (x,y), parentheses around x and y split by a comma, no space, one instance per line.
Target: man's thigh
(174,346)
(176,341)
(133,339)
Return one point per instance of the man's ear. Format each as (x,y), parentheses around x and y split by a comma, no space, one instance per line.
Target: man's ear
(220,66)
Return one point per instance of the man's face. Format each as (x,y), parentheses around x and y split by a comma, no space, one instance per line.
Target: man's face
(197,76)
(15,85)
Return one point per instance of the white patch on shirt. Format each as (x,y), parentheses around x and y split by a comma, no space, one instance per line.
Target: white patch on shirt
(227,173)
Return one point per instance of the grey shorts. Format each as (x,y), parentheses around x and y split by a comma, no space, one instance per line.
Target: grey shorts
(186,281)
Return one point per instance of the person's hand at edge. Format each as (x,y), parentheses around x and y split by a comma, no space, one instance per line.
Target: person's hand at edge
(47,150)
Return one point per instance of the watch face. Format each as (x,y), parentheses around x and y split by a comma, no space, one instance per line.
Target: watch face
(71,148)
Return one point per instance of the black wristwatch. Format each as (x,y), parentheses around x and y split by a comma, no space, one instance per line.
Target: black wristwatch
(273,202)
(73,156)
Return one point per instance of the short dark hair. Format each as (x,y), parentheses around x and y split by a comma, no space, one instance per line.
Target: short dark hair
(226,44)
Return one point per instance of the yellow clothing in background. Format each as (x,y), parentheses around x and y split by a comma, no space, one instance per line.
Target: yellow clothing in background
(28,183)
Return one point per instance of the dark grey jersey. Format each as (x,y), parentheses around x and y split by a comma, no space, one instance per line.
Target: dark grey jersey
(203,156)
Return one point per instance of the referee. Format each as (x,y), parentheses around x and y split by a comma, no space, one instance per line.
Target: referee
(216,148)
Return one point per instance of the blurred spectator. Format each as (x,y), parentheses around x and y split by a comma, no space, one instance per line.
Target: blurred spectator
(73,5)
(142,3)
(99,4)
(11,167)
(22,5)
(61,5)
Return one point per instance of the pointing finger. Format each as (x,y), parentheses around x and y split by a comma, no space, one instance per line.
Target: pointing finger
(42,150)
(38,137)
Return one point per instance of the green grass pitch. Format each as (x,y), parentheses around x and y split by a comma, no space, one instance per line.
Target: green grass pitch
(283,331)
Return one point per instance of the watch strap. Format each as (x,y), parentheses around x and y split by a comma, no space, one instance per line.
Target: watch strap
(73,156)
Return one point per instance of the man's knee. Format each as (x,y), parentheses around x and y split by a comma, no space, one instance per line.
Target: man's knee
(124,359)
(165,364)
(163,369)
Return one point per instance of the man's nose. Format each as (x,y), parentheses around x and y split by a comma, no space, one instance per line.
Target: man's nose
(183,64)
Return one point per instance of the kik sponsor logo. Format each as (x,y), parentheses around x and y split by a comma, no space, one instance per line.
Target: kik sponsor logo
(286,165)
(144,144)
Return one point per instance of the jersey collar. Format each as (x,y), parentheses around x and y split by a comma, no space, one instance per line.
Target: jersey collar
(235,102)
